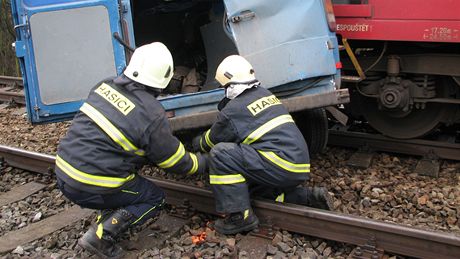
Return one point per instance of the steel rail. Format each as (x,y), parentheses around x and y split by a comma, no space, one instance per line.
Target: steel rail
(27,160)
(331,225)
(9,96)
(420,147)
(11,81)
(324,224)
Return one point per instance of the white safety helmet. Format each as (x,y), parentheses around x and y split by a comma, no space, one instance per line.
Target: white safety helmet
(151,65)
(235,69)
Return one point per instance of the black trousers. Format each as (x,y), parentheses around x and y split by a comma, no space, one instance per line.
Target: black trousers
(143,200)
(237,173)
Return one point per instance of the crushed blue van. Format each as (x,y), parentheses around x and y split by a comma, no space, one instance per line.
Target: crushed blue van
(65,47)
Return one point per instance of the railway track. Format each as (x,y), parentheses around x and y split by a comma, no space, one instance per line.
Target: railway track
(11,81)
(9,92)
(444,149)
(372,237)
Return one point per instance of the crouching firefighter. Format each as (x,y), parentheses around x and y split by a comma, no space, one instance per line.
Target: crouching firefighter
(120,128)
(256,150)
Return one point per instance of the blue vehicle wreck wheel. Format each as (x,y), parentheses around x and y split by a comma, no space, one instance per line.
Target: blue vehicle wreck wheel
(314,126)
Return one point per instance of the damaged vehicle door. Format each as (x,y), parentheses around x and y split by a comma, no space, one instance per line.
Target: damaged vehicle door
(64,48)
(285,41)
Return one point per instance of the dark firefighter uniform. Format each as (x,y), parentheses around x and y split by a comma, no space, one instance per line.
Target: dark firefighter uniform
(120,128)
(254,142)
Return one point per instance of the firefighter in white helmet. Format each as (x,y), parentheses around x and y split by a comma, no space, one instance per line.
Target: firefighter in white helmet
(256,150)
(121,127)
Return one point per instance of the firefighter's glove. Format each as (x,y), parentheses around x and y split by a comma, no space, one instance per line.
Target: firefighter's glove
(196,144)
(203,163)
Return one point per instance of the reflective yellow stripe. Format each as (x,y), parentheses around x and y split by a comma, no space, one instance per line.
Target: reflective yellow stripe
(291,167)
(226,179)
(246,214)
(130,192)
(145,213)
(208,140)
(201,145)
(110,129)
(195,164)
(280,198)
(103,181)
(171,161)
(266,127)
(99,231)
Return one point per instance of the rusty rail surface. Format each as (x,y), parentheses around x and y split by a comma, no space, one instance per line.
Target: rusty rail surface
(360,231)
(418,147)
(27,160)
(10,96)
(11,81)
(10,93)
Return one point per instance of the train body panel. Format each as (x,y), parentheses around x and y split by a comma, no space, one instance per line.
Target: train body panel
(409,51)
(65,47)
(400,20)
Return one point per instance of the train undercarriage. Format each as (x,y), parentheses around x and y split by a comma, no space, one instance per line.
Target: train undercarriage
(409,89)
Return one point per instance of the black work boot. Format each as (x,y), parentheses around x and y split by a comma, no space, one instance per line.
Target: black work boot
(101,239)
(319,198)
(315,197)
(103,215)
(237,222)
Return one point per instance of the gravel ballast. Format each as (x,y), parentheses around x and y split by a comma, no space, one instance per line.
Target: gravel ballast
(388,190)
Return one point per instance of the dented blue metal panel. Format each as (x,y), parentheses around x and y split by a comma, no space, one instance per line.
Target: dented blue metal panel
(185,104)
(289,45)
(285,41)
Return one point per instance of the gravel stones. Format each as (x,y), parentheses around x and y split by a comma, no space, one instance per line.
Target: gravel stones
(284,245)
(37,217)
(34,208)
(389,190)
(230,242)
(19,250)
(271,250)
(18,132)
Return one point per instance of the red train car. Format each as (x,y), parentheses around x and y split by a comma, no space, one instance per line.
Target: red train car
(407,56)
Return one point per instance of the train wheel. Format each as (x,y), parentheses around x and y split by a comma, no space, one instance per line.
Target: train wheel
(314,126)
(410,124)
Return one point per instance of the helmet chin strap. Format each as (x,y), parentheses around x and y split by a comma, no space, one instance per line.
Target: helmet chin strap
(233,90)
